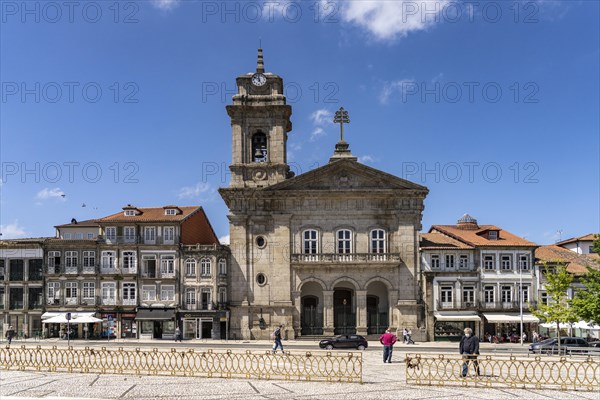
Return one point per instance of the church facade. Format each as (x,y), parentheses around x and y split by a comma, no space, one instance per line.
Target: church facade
(331,251)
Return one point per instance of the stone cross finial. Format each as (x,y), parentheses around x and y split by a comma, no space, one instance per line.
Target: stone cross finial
(341,117)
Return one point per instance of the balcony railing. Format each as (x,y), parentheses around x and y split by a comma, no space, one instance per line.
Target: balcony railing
(157,274)
(35,306)
(130,302)
(483,306)
(345,258)
(71,269)
(108,301)
(137,239)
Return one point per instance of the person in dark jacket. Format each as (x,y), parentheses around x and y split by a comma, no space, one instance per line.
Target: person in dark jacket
(277,338)
(10,333)
(469,349)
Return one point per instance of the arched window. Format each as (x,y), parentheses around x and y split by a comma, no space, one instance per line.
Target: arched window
(310,241)
(190,267)
(205,266)
(344,241)
(222,266)
(259,147)
(378,241)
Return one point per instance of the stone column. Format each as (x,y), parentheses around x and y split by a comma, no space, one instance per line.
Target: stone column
(297,317)
(361,312)
(328,312)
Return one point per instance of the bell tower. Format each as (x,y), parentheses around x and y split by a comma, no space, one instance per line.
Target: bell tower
(260,122)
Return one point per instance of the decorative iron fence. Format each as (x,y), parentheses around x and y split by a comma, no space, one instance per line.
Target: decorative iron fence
(307,366)
(497,371)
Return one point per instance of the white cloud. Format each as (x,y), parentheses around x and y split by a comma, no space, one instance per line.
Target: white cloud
(190,192)
(165,4)
(388,20)
(224,239)
(321,117)
(318,132)
(48,193)
(366,159)
(12,231)
(389,88)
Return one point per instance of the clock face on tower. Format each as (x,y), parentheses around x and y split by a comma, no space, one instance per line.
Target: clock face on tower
(259,79)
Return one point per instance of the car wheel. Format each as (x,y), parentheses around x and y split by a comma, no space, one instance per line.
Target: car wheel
(361,347)
(329,347)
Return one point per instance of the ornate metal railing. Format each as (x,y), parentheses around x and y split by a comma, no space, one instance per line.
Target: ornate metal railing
(498,371)
(322,366)
(332,258)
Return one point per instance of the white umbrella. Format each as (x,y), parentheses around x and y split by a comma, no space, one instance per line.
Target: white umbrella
(85,320)
(59,319)
(585,325)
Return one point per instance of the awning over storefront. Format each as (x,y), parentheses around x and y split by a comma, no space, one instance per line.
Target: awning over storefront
(74,315)
(456,316)
(506,318)
(155,314)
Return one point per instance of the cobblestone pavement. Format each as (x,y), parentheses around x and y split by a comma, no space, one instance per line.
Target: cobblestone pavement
(381,381)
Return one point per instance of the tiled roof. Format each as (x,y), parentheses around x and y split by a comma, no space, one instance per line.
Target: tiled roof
(151,214)
(440,241)
(588,237)
(85,224)
(475,237)
(576,263)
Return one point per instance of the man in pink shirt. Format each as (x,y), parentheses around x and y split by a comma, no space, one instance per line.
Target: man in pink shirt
(387,340)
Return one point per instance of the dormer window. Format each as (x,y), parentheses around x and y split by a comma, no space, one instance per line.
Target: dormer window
(130,213)
(170,211)
(493,235)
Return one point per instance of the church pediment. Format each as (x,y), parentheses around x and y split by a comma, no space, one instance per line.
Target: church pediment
(347,175)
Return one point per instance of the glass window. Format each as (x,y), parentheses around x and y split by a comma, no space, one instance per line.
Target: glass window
(488,262)
(109,291)
(435,261)
(147,327)
(111,233)
(167,265)
(53,292)
(129,260)
(205,267)
(71,290)
(544,298)
(506,262)
(525,294)
(89,258)
(310,241)
(169,233)
(506,293)
(493,235)
(150,233)
(524,262)
(222,266)
(129,291)
(108,260)
(170,211)
(190,297)
(129,232)
(149,292)
(167,292)
(463,261)
(190,267)
(469,294)
(206,299)
(344,241)
(488,294)
(53,259)
(377,241)
(222,295)
(89,290)
(446,294)
(71,258)
(449,261)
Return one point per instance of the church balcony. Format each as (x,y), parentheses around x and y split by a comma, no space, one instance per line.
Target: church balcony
(345,258)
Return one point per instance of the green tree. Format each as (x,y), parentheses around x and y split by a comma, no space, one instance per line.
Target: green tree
(586,303)
(558,309)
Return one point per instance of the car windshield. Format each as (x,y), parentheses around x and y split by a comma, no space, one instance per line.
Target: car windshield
(339,337)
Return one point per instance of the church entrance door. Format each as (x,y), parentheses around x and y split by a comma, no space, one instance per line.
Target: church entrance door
(312,319)
(344,318)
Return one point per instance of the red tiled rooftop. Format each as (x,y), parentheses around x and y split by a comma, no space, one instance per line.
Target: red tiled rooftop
(576,263)
(441,241)
(476,237)
(152,214)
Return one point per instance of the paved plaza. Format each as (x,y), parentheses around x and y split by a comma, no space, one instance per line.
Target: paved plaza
(381,381)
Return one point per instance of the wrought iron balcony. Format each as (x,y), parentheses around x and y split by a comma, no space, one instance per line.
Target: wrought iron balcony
(339,258)
(457,266)
(137,239)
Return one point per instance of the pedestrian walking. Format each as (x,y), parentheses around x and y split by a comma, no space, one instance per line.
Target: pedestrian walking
(276,336)
(404,335)
(177,334)
(535,337)
(10,333)
(388,339)
(469,349)
(409,337)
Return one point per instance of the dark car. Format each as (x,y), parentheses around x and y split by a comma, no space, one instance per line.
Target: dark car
(594,344)
(344,342)
(550,346)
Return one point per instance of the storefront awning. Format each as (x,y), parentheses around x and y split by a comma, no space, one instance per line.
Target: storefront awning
(155,314)
(74,315)
(504,318)
(456,316)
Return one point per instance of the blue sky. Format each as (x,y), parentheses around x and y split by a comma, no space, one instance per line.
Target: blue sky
(491,105)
